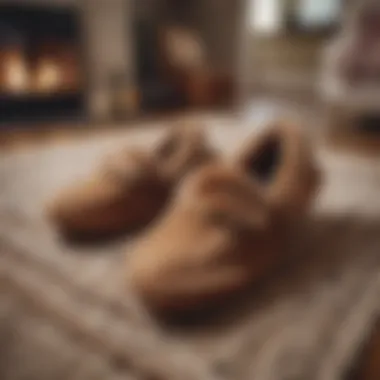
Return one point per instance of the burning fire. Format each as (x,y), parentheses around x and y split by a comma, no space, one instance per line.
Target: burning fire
(16,78)
(50,73)
(48,76)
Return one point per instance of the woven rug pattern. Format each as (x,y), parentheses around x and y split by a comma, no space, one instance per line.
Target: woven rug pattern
(66,312)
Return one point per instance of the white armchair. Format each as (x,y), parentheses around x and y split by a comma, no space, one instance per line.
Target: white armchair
(350,80)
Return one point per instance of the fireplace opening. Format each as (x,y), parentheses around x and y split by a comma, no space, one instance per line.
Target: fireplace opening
(41,63)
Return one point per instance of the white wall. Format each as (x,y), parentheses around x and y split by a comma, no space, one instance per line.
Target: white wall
(109,45)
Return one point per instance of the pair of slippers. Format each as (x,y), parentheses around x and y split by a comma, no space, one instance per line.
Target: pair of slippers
(218,224)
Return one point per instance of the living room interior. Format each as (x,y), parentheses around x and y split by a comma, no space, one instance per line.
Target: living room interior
(102,61)
(82,80)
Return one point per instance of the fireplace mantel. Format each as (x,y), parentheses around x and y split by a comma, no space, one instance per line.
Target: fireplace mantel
(105,44)
(109,49)
(41,62)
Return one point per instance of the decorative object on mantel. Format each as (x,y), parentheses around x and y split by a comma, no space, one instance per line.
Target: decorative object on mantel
(184,59)
(208,88)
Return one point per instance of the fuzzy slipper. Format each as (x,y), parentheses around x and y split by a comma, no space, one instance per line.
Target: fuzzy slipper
(221,232)
(130,188)
(282,160)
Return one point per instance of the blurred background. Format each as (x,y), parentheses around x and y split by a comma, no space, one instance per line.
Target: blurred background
(104,60)
(67,66)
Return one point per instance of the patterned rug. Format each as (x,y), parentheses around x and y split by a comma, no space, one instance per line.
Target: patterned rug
(66,313)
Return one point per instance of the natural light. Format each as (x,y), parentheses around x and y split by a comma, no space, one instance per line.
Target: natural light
(266,16)
(318,13)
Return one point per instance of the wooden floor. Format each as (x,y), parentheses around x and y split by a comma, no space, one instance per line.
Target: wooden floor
(368,368)
(20,137)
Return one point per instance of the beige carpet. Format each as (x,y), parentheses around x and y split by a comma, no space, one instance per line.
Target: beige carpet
(66,314)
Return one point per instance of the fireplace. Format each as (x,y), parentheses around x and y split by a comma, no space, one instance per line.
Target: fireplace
(41,63)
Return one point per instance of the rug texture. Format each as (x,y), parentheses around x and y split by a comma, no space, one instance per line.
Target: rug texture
(66,312)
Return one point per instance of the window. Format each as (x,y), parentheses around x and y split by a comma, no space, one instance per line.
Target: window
(266,16)
(318,14)
(300,16)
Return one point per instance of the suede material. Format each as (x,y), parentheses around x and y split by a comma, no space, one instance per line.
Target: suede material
(226,227)
(131,187)
(295,176)
(212,241)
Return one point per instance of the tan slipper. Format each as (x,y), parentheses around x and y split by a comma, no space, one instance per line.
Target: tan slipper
(130,188)
(282,160)
(221,233)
